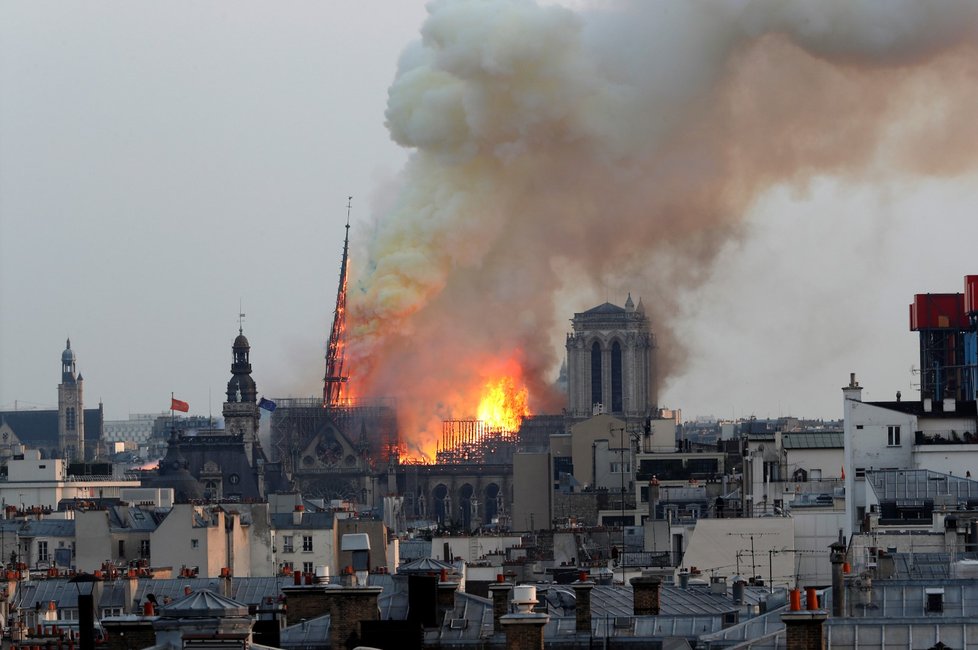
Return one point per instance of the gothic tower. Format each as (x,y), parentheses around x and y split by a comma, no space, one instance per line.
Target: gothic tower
(241,412)
(611,362)
(71,413)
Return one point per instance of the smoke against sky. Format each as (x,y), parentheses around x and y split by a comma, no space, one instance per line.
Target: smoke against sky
(557,150)
(774,179)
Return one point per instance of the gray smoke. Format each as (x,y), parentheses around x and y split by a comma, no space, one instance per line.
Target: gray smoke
(559,152)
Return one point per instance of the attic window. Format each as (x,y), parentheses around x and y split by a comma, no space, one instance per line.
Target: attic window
(935,601)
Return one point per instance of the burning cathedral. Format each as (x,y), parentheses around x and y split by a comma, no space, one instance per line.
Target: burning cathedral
(341,447)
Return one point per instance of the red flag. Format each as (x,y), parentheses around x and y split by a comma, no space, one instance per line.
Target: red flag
(177,405)
(843,473)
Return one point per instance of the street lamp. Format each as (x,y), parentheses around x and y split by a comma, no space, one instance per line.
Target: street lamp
(85,583)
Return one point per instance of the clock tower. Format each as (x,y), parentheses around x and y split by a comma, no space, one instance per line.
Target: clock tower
(71,413)
(241,412)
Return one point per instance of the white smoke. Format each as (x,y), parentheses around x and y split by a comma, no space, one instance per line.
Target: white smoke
(557,152)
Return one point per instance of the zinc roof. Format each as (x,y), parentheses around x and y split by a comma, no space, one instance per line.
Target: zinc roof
(813,440)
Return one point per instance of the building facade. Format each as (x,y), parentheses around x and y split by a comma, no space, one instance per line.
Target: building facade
(611,362)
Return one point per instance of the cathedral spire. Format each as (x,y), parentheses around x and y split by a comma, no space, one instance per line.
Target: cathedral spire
(334,379)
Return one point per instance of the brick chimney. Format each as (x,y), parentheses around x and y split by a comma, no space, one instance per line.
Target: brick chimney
(524,628)
(346,606)
(582,608)
(446,595)
(805,630)
(646,591)
(838,557)
(499,591)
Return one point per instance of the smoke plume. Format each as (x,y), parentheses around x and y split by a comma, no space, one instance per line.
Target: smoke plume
(557,152)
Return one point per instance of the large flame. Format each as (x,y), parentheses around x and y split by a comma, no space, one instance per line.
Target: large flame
(504,404)
(557,155)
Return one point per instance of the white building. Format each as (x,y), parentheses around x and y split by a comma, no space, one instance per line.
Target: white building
(35,481)
(926,435)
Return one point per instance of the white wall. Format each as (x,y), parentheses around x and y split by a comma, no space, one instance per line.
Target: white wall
(814,531)
(715,543)
(829,461)
(958,460)
(865,429)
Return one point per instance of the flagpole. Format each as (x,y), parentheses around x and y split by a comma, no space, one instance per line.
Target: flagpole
(172,425)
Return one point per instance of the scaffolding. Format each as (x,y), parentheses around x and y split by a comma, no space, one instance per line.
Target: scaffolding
(466,442)
(370,425)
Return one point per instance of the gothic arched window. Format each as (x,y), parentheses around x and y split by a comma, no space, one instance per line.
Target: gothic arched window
(616,378)
(595,373)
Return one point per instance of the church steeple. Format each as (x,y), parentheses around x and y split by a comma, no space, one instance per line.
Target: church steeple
(71,408)
(241,387)
(68,364)
(241,412)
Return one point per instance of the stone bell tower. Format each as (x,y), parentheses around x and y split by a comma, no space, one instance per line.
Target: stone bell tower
(611,362)
(71,409)
(241,412)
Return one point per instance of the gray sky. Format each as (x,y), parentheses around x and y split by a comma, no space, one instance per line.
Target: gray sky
(160,162)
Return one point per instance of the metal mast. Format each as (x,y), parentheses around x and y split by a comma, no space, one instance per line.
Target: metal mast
(334,379)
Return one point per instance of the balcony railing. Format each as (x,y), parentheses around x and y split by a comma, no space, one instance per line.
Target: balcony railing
(949,437)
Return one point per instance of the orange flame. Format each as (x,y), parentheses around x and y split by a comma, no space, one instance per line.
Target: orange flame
(503,405)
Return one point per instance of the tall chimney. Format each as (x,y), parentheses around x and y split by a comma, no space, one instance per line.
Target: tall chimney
(582,608)
(446,595)
(499,591)
(646,593)
(804,630)
(853,391)
(524,628)
(838,557)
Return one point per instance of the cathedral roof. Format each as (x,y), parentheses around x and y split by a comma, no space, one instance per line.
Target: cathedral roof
(606,308)
(40,428)
(241,341)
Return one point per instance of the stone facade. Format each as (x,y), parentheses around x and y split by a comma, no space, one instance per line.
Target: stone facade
(611,362)
(71,409)
(583,506)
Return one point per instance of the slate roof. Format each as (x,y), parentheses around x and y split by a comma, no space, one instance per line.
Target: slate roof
(961,409)
(612,600)
(425,565)
(310,521)
(920,484)
(813,440)
(48,528)
(203,604)
(40,428)
(307,634)
(605,308)
(135,519)
(250,591)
